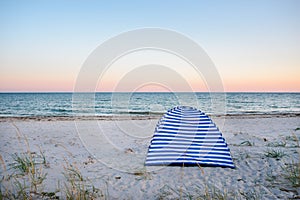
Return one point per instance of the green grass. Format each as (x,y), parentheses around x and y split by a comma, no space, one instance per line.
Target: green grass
(289,176)
(212,192)
(246,143)
(272,153)
(295,139)
(277,144)
(292,138)
(78,187)
(26,177)
(208,192)
(23,162)
(251,195)
(292,173)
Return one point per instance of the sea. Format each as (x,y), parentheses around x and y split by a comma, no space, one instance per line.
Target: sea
(144,104)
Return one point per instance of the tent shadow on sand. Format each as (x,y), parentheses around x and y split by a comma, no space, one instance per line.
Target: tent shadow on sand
(185,136)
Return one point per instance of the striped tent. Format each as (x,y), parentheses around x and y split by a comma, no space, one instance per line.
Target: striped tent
(186,136)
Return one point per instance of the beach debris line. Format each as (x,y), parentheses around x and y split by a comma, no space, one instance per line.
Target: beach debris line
(185,136)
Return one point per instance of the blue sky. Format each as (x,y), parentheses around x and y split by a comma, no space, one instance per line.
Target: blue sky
(44,43)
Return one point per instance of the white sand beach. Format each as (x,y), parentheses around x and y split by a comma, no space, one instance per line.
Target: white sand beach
(110,156)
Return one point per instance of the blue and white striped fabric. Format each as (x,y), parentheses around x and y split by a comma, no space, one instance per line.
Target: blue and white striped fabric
(187,136)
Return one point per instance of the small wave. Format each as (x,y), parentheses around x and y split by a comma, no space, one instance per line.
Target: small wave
(60,110)
(104,100)
(133,112)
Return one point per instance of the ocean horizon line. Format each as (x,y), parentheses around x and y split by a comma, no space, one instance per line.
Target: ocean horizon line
(70,92)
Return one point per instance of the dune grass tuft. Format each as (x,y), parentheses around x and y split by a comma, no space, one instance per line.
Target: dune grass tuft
(246,143)
(251,195)
(292,173)
(78,187)
(277,144)
(273,153)
(211,192)
(26,178)
(208,192)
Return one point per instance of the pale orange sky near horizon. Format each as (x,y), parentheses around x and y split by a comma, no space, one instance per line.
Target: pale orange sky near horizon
(43,45)
(280,81)
(55,84)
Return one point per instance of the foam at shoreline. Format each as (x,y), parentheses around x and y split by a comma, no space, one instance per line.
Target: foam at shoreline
(134,117)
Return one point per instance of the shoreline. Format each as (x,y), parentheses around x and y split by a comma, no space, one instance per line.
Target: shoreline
(137,117)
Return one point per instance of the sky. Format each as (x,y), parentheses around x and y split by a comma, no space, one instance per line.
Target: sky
(255,45)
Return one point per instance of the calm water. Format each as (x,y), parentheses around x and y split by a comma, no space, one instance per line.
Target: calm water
(101,104)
